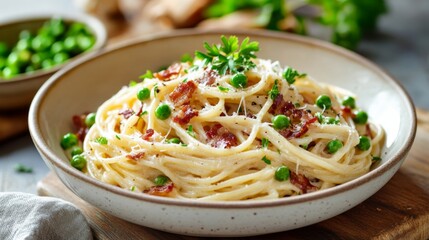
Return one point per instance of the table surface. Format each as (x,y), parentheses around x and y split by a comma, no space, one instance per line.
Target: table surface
(400,47)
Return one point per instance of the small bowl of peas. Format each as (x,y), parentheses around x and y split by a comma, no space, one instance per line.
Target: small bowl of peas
(32,49)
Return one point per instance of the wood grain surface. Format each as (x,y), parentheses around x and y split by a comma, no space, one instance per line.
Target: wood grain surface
(400,210)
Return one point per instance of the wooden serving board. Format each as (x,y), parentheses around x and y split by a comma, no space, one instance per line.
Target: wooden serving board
(400,210)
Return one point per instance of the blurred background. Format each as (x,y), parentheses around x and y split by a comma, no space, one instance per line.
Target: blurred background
(392,33)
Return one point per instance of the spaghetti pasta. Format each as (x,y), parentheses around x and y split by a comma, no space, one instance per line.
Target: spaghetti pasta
(218,140)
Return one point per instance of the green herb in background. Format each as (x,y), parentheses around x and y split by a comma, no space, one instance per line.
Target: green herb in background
(23,169)
(348,19)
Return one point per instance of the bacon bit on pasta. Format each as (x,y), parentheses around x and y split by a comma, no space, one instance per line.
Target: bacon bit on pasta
(170,73)
(347,112)
(136,156)
(302,182)
(182,94)
(160,190)
(368,131)
(79,123)
(297,130)
(127,113)
(185,114)
(148,134)
(220,137)
(208,78)
(300,118)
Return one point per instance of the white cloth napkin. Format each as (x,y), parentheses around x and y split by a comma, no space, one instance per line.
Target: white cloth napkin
(26,216)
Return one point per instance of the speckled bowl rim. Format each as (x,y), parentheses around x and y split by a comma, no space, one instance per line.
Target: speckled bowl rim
(43,147)
(93,23)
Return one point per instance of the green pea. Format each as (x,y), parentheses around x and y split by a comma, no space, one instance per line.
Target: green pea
(239,80)
(161,180)
(69,140)
(24,34)
(2,62)
(349,102)
(24,57)
(10,71)
(90,119)
(38,58)
(76,150)
(78,162)
(13,59)
(334,145)
(76,28)
(282,173)
(29,69)
(41,43)
(56,27)
(48,63)
(57,47)
(364,143)
(281,121)
(143,94)
(60,57)
(324,102)
(70,44)
(85,42)
(174,140)
(361,117)
(23,44)
(4,50)
(163,112)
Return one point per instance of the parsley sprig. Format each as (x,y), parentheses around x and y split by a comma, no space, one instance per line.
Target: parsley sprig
(231,57)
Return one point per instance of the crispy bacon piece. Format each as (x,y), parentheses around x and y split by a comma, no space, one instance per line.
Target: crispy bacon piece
(300,118)
(302,182)
(170,73)
(136,156)
(79,123)
(185,115)
(220,137)
(368,131)
(209,77)
(148,134)
(160,190)
(127,113)
(297,130)
(347,112)
(182,94)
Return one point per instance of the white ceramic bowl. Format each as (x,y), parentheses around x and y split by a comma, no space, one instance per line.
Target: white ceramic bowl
(18,92)
(85,84)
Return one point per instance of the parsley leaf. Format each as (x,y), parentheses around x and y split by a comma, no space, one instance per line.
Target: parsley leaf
(266,160)
(101,140)
(223,89)
(231,57)
(186,58)
(132,83)
(190,131)
(21,168)
(290,74)
(265,142)
(148,74)
(274,92)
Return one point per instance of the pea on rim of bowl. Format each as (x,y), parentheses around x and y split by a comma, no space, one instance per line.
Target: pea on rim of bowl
(33,48)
